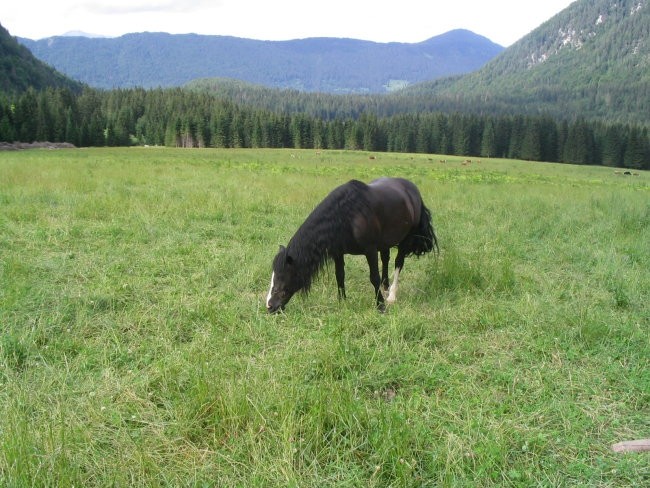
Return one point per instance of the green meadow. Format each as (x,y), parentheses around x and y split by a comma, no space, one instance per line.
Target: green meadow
(135,348)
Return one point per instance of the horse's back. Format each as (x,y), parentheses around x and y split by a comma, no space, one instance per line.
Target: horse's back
(394,194)
(396,209)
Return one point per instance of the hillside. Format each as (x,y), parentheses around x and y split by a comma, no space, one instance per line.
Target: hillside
(317,64)
(592,59)
(19,69)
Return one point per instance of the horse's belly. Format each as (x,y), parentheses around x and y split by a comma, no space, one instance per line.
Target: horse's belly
(391,237)
(377,235)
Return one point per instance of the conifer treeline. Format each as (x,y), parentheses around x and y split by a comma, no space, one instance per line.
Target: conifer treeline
(175,117)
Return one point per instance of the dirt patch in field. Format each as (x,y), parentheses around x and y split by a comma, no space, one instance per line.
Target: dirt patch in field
(15,146)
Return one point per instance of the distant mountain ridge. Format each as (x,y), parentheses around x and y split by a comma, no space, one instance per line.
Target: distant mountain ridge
(332,65)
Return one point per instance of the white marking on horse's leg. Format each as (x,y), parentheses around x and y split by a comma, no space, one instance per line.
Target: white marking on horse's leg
(268,297)
(392,292)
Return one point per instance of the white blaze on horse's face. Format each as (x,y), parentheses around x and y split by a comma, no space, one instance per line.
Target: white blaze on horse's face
(279,293)
(268,297)
(283,282)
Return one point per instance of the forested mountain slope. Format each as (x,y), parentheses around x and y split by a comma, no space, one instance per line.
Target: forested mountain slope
(19,69)
(591,60)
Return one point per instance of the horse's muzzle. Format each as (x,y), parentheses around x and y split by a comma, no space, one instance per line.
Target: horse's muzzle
(275,308)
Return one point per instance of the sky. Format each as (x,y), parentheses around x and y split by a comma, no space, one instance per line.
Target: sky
(501,21)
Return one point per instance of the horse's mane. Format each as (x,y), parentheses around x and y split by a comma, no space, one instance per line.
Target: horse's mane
(326,231)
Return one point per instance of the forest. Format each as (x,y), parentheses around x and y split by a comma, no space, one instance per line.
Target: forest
(183,118)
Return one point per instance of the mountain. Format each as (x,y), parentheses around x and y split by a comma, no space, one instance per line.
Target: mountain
(591,60)
(19,69)
(316,64)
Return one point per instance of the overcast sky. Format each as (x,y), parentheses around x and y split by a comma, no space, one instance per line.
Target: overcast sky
(502,21)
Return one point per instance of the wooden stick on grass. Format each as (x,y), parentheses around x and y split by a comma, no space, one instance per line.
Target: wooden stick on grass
(632,446)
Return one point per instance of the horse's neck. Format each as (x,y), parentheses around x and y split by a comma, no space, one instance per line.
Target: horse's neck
(310,247)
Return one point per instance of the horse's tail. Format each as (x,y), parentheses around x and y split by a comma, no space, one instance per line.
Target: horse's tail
(422,238)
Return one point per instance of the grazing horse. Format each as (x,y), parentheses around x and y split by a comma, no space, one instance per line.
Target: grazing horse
(355,218)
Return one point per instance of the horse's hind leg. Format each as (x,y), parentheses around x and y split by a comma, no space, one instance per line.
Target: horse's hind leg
(385,259)
(339,264)
(399,264)
(375,279)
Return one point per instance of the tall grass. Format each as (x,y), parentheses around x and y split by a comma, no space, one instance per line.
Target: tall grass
(136,350)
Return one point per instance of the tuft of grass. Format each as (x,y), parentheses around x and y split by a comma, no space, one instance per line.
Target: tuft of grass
(13,352)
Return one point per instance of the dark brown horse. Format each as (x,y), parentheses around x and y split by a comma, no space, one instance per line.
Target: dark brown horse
(355,218)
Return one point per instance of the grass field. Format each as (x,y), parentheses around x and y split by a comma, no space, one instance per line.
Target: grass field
(136,350)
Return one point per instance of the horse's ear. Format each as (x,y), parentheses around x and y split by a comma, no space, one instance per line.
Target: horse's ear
(282,248)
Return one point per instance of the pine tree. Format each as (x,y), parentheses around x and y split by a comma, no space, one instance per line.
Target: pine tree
(613,150)
(516,138)
(26,116)
(353,136)
(489,140)
(531,146)
(71,134)
(423,143)
(461,136)
(580,147)
(7,131)
(635,150)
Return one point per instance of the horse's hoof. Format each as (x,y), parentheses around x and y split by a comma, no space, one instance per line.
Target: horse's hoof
(381,308)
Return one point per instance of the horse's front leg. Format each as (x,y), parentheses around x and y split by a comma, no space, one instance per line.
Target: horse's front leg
(399,264)
(385,259)
(339,264)
(375,279)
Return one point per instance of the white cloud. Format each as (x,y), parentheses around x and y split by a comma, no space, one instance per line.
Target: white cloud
(125,7)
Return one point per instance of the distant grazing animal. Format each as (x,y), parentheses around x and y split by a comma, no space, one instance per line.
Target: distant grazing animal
(360,219)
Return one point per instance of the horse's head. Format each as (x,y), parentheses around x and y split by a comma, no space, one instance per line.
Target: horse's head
(284,281)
